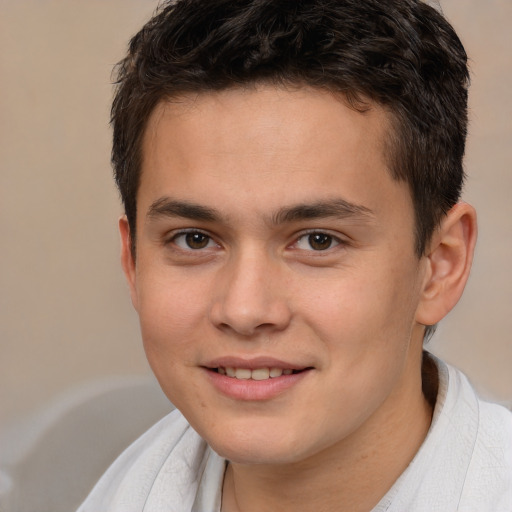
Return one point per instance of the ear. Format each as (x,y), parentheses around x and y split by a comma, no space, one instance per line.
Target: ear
(449,260)
(127,259)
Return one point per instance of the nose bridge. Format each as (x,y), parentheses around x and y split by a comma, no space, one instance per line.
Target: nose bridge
(250,294)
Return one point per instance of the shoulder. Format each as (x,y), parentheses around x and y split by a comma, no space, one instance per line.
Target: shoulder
(489,477)
(465,462)
(170,454)
(495,427)
(488,481)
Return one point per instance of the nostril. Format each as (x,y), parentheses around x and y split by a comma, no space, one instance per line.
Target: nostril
(248,311)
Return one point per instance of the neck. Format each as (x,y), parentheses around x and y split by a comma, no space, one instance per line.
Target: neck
(352,475)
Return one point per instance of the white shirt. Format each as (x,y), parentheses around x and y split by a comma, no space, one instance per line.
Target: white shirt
(464,464)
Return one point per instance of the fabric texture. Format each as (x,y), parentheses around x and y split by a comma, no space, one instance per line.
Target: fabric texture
(464,464)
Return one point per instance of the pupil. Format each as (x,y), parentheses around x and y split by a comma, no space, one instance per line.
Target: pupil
(196,240)
(320,241)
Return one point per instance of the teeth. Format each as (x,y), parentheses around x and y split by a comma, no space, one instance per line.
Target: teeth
(276,372)
(243,373)
(256,374)
(260,374)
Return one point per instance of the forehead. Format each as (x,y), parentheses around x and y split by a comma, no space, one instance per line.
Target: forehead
(267,141)
(253,110)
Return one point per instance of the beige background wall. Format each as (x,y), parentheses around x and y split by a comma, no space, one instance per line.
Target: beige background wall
(65,316)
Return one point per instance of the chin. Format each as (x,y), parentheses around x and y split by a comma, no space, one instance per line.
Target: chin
(255,454)
(258,446)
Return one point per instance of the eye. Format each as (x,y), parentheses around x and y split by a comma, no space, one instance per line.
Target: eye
(317,241)
(193,240)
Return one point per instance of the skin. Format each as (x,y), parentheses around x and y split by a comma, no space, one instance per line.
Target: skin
(352,312)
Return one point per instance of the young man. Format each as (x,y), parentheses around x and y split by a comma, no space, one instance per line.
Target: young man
(291,171)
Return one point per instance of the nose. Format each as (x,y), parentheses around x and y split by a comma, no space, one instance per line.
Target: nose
(251,297)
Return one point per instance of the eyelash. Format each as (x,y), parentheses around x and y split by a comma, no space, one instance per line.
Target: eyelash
(190,232)
(332,240)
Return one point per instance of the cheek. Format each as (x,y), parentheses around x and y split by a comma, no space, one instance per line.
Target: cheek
(363,309)
(171,315)
(346,305)
(170,327)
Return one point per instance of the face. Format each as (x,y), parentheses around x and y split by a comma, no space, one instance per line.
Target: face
(275,274)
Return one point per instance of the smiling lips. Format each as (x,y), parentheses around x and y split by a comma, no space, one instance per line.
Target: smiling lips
(260,378)
(255,374)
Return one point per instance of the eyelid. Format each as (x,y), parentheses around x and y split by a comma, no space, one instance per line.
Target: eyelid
(173,235)
(337,238)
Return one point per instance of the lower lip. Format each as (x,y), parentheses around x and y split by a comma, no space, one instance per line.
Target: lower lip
(254,389)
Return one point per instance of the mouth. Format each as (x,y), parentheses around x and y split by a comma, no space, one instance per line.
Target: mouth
(258,374)
(257,379)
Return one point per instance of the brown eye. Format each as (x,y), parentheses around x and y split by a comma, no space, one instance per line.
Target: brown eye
(193,240)
(320,241)
(197,240)
(317,241)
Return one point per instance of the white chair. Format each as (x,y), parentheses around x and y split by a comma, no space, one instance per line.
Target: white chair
(50,461)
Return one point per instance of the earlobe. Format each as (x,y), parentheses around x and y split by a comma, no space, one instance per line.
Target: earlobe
(127,260)
(448,264)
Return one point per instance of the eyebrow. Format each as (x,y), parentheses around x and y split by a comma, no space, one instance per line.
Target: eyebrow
(167,207)
(333,208)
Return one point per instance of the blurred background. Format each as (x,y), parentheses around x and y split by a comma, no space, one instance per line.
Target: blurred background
(65,316)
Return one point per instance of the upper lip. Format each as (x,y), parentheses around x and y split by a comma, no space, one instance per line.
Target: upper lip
(253,363)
